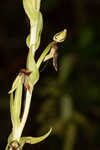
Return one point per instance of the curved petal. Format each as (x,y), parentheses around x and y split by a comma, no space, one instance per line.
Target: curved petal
(34,140)
(15,84)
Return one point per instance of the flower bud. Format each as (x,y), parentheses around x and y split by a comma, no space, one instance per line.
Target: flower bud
(61,36)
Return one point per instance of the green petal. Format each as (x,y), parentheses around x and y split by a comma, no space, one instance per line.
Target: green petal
(34,140)
(15,84)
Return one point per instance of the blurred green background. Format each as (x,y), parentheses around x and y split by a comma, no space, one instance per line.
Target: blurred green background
(67,100)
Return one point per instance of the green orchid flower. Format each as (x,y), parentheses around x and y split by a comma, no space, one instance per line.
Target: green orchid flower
(27,78)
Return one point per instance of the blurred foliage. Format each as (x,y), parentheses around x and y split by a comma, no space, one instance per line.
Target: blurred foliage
(68,100)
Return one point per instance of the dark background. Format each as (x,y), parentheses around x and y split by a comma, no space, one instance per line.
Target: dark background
(67,100)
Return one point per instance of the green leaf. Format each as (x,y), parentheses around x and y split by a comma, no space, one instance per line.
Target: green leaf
(34,140)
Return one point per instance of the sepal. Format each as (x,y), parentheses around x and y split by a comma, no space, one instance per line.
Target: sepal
(34,140)
(15,84)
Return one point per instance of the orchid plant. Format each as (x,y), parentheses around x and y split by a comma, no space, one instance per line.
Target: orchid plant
(27,78)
